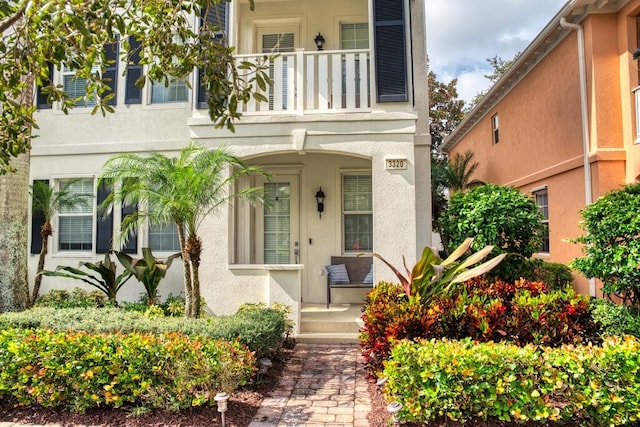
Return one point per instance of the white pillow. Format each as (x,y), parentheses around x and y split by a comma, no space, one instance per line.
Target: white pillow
(338,274)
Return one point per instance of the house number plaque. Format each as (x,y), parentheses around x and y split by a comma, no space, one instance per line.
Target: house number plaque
(395,164)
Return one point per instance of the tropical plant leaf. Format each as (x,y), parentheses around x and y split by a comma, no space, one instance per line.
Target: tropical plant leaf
(478,270)
(459,251)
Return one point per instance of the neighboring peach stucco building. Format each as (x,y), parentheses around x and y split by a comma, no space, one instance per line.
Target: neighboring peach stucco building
(570,100)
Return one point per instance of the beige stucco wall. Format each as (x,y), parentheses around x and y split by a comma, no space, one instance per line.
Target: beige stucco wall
(320,146)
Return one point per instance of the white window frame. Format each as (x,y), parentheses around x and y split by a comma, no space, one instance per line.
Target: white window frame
(174,85)
(344,212)
(354,25)
(162,230)
(538,193)
(62,214)
(82,101)
(495,129)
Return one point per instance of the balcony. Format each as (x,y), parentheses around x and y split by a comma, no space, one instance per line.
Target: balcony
(306,82)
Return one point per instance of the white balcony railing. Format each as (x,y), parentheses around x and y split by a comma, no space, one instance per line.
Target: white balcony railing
(636,93)
(323,81)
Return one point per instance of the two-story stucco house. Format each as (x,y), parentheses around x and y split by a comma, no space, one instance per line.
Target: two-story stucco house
(349,119)
(562,123)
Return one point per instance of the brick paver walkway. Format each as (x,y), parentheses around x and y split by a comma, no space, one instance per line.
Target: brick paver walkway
(322,385)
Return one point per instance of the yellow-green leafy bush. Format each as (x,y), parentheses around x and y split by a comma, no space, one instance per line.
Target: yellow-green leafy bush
(260,330)
(584,385)
(81,370)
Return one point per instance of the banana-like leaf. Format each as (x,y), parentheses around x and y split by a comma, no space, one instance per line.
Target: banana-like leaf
(477,257)
(480,269)
(460,250)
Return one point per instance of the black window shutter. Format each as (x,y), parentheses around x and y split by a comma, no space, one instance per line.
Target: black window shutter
(131,245)
(216,17)
(390,51)
(37,221)
(133,94)
(104,223)
(111,72)
(41,98)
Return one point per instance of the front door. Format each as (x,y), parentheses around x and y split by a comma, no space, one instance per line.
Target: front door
(278,223)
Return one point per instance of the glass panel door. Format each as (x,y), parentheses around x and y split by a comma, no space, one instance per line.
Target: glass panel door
(278,224)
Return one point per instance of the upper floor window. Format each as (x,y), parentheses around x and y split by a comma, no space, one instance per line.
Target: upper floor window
(542,200)
(494,126)
(76,87)
(355,36)
(176,91)
(75,224)
(357,213)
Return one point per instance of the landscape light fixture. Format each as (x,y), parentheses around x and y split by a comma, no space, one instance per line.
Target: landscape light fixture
(393,408)
(221,399)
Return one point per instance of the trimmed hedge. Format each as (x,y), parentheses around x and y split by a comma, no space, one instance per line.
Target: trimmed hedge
(583,385)
(79,370)
(260,330)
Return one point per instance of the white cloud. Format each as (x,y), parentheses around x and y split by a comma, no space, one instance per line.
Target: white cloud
(463,34)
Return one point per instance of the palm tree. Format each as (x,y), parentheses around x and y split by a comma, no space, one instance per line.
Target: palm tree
(183,191)
(48,202)
(459,171)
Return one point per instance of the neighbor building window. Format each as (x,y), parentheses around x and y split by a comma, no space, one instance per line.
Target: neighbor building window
(164,238)
(75,224)
(542,200)
(357,213)
(494,126)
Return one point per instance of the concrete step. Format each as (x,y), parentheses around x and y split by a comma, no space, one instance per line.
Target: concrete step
(326,326)
(327,338)
(338,318)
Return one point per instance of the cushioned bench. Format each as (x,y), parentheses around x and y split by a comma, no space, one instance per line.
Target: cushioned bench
(349,272)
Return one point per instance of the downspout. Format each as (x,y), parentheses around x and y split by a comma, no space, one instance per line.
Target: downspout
(588,193)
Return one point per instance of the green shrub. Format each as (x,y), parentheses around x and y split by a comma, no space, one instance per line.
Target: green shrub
(610,244)
(615,319)
(260,330)
(495,215)
(80,370)
(556,275)
(587,385)
(78,297)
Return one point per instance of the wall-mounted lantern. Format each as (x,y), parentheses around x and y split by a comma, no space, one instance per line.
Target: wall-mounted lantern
(319,41)
(320,201)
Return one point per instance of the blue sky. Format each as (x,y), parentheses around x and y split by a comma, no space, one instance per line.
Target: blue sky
(462,34)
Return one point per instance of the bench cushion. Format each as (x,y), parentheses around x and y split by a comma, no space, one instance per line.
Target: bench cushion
(338,274)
